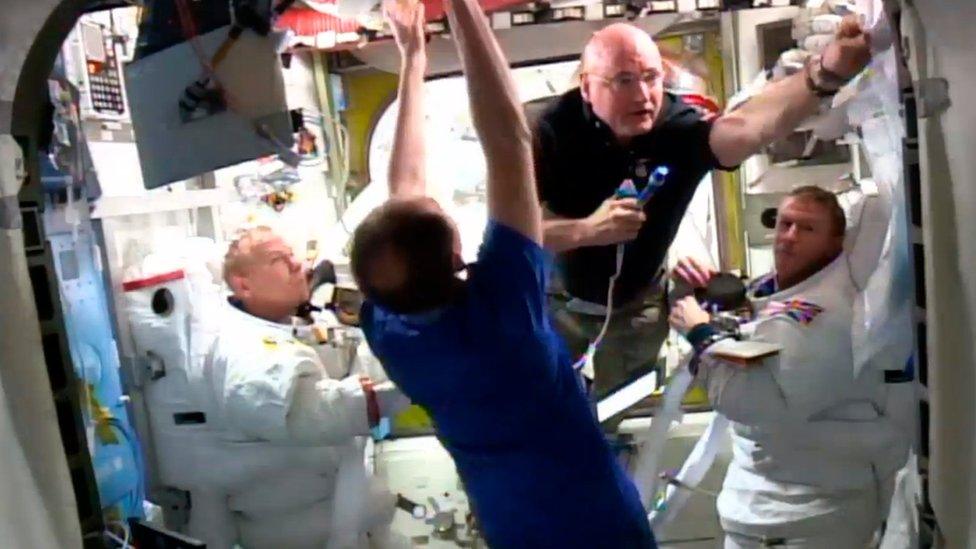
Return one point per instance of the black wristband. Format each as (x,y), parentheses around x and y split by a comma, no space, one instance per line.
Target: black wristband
(702,345)
(833,80)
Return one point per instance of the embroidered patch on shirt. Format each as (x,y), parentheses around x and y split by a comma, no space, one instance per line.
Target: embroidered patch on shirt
(801,311)
(270,342)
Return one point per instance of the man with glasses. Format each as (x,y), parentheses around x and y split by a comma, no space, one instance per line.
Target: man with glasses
(621,124)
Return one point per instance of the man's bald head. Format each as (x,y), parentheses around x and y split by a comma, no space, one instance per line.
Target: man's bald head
(618,39)
(622,79)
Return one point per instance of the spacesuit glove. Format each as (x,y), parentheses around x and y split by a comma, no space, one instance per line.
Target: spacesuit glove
(390,399)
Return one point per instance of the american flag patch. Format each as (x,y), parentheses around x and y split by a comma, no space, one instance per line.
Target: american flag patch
(801,311)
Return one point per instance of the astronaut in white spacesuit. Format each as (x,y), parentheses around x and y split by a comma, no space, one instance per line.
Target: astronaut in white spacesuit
(290,432)
(814,449)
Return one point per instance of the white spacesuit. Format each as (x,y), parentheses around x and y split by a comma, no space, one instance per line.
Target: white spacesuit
(815,450)
(291,437)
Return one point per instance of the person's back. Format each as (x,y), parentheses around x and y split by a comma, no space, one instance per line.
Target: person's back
(509,408)
(479,352)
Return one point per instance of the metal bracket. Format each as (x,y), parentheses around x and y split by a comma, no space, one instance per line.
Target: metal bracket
(176,506)
(933,96)
(144,368)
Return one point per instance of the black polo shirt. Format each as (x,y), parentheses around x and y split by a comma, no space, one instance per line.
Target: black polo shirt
(579,164)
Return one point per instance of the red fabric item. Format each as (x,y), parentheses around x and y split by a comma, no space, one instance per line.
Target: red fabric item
(372,404)
(308,22)
(434,9)
(702,102)
(706,106)
(305,21)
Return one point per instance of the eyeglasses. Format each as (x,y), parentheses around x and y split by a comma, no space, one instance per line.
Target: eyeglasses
(627,80)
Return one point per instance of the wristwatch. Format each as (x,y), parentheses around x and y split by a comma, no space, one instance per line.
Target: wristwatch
(821,81)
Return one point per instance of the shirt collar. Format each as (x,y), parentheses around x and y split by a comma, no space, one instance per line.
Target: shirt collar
(764,286)
(239,305)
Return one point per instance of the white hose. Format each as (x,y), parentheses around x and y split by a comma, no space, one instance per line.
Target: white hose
(651,444)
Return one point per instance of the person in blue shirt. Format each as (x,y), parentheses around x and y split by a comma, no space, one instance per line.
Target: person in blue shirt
(479,351)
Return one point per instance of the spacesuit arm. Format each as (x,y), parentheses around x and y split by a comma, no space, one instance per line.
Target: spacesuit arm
(754,394)
(285,396)
(366,364)
(866,245)
(744,394)
(327,411)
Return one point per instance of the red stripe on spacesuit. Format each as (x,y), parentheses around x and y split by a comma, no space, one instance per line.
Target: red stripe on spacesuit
(152,281)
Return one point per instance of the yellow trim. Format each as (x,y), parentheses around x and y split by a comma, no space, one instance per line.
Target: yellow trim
(728,184)
(368,93)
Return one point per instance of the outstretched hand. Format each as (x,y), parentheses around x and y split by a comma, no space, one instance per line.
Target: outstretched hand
(406,19)
(850,51)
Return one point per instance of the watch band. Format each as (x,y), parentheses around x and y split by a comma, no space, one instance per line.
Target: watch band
(820,80)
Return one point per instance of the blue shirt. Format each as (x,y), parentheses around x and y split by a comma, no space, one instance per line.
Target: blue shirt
(499,384)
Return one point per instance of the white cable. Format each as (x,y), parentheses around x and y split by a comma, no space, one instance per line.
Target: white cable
(654,182)
(651,442)
(591,350)
(125,528)
(613,281)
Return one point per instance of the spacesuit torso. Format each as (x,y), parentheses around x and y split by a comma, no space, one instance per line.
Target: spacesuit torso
(810,433)
(282,483)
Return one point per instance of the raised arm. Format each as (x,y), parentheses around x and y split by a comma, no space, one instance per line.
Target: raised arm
(499,121)
(867,247)
(407,174)
(783,105)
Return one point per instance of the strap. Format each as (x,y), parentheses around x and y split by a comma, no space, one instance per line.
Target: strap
(692,472)
(898,376)
(189,418)
(372,404)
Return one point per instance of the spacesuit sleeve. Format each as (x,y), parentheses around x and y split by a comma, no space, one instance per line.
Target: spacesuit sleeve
(367,364)
(327,411)
(286,396)
(865,245)
(744,394)
(749,394)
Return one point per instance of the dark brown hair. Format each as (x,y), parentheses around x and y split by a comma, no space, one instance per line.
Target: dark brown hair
(409,235)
